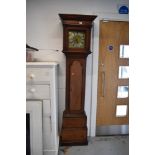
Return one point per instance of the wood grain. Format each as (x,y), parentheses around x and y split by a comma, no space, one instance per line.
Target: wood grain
(111,34)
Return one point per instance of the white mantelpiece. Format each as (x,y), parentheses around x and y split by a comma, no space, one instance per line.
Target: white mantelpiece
(41,80)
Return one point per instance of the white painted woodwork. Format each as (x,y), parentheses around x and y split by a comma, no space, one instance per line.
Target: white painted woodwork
(38,91)
(42,84)
(34,108)
(38,74)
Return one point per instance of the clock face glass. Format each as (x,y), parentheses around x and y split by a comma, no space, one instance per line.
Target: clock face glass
(76,39)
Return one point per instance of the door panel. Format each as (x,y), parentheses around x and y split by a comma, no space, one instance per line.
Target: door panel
(113,75)
(76,85)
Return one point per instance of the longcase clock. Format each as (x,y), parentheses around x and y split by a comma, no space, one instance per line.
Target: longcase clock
(76,47)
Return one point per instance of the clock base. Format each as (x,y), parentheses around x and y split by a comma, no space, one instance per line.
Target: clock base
(74,130)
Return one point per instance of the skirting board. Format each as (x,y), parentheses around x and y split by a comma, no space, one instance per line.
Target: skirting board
(112,130)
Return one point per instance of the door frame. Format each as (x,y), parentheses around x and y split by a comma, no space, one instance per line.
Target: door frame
(95,58)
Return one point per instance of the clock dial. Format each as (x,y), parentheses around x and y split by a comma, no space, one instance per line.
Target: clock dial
(76,39)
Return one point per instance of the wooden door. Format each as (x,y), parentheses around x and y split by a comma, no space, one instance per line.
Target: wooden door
(113,80)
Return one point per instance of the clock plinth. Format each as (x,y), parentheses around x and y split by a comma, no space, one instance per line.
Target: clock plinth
(74,129)
(76,47)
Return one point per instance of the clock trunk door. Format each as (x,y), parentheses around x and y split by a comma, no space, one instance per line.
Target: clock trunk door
(76,85)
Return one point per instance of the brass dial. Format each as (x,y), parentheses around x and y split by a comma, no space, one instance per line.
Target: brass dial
(76,39)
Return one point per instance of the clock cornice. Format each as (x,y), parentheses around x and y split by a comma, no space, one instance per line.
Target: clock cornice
(77,17)
(77,20)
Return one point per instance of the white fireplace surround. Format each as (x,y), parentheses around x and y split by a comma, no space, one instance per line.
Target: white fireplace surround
(42,103)
(34,108)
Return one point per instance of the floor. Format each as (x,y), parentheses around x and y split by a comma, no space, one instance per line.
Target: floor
(108,145)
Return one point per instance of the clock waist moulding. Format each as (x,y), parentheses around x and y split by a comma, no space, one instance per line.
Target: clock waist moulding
(76,47)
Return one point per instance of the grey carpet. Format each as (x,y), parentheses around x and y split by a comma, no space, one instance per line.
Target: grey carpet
(108,145)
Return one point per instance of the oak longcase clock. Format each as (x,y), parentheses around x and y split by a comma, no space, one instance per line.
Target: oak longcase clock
(76,47)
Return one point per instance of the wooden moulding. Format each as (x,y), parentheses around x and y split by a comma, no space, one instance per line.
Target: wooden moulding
(77,17)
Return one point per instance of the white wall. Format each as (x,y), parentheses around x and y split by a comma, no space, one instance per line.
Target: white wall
(44,31)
